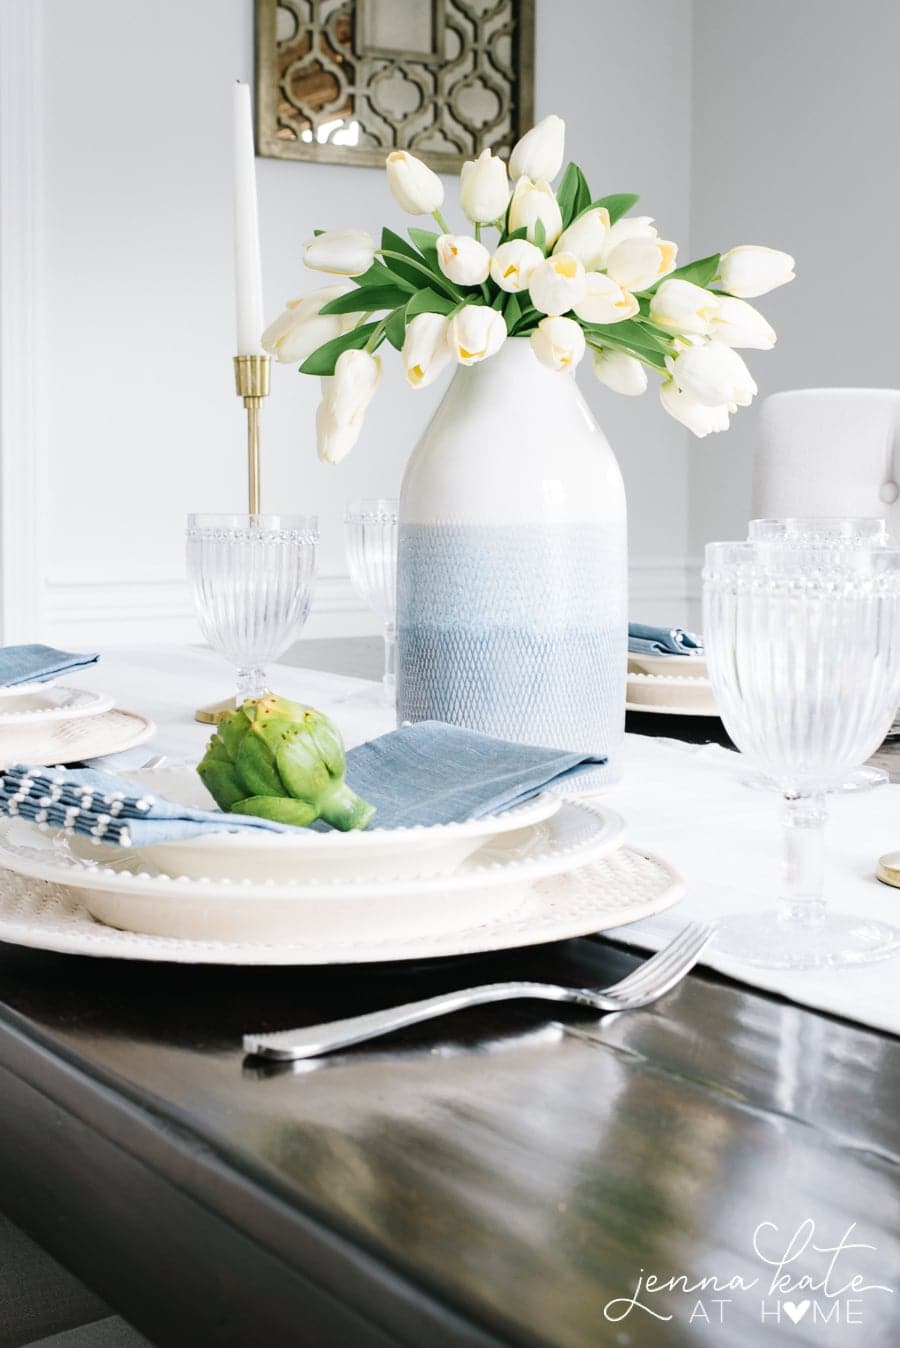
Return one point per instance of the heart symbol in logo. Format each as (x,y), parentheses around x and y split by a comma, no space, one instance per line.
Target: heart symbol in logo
(795,1311)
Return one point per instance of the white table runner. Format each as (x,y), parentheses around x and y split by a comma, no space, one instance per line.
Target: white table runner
(687,802)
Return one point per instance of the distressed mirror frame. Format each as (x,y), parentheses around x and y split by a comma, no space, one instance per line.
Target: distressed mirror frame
(334,32)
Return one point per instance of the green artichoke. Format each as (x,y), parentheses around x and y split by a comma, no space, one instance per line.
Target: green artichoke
(283,761)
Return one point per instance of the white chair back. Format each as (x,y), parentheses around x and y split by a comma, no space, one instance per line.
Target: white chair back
(825,452)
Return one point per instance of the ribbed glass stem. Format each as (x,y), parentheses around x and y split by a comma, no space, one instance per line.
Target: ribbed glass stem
(251,683)
(803,819)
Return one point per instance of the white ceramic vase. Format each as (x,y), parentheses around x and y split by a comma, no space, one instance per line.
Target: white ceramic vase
(512,578)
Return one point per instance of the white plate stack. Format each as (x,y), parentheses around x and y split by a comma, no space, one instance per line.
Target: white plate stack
(673,685)
(542,871)
(48,723)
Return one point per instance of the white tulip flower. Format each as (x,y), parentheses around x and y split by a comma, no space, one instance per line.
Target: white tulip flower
(476,332)
(558,284)
(749,270)
(605,301)
(343,252)
(737,323)
(558,342)
(713,374)
(586,237)
(484,189)
(533,201)
(426,349)
(333,440)
(636,263)
(620,371)
(513,264)
(539,154)
(463,259)
(680,306)
(356,376)
(301,329)
(416,188)
(629,227)
(698,417)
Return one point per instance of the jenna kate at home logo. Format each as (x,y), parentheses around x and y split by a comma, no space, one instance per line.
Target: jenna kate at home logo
(803,1276)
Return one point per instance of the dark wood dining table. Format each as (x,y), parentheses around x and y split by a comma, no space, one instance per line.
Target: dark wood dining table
(511,1175)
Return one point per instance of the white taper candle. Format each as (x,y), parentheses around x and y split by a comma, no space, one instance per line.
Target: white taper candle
(247,265)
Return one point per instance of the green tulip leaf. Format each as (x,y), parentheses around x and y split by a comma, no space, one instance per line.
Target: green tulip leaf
(632,330)
(608,338)
(619,204)
(323,359)
(700,273)
(367,300)
(540,235)
(395,326)
(512,311)
(429,302)
(426,242)
(567,193)
(380,275)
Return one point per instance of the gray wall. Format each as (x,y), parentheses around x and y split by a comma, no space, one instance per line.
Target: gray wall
(796,115)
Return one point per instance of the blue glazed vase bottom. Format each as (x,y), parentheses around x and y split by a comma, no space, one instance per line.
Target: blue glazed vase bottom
(516,632)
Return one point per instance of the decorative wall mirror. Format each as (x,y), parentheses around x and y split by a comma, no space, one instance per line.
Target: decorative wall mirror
(347,81)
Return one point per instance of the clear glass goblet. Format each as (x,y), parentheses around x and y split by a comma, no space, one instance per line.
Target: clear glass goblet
(838,531)
(251,577)
(370,535)
(803,652)
(828,531)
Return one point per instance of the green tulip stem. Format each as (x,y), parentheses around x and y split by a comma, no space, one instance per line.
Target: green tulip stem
(478,231)
(376,338)
(441,221)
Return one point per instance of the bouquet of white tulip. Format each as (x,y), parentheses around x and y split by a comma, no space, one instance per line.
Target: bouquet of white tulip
(570,272)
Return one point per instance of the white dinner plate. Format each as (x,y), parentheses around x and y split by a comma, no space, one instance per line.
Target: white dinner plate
(118,891)
(305,856)
(42,705)
(9,692)
(72,741)
(623,887)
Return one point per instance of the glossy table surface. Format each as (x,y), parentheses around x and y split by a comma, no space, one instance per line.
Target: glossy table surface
(509,1175)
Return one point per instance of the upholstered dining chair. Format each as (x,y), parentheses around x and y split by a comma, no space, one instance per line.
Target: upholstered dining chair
(829,451)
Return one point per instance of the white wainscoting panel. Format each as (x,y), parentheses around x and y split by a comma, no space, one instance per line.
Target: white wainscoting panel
(82,609)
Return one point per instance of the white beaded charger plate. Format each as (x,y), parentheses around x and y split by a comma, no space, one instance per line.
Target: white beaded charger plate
(623,887)
(119,889)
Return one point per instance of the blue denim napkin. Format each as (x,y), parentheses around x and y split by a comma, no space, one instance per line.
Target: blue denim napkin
(645,640)
(432,773)
(429,773)
(34,664)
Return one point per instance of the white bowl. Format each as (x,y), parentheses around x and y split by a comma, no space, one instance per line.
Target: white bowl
(306,856)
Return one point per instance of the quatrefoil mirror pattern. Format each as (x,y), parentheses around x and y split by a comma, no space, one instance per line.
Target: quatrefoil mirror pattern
(347,81)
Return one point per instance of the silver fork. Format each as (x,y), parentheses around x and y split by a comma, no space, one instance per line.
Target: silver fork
(647,984)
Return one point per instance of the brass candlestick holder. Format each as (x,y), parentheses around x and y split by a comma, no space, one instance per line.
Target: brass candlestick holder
(251,382)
